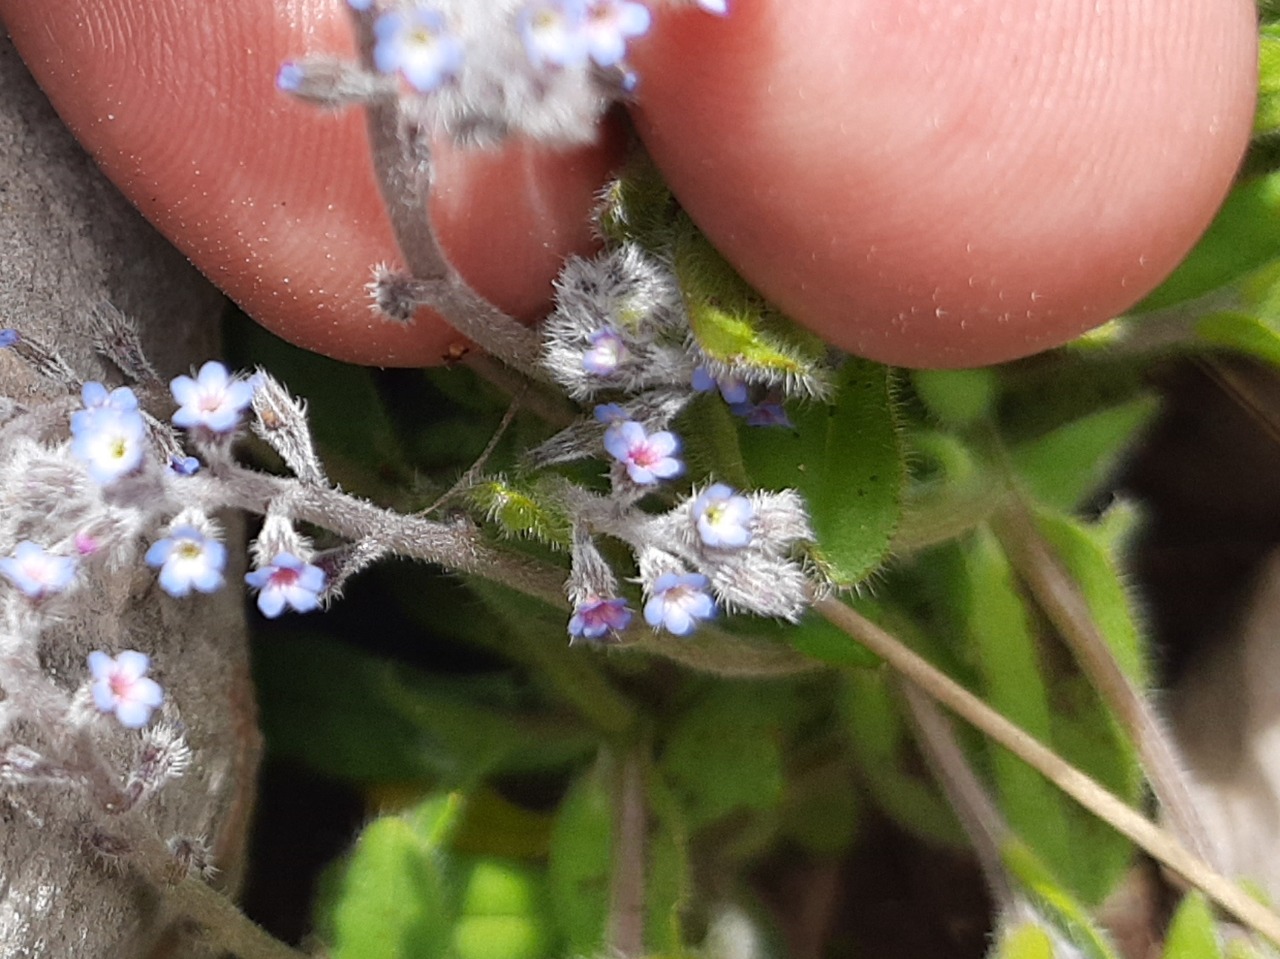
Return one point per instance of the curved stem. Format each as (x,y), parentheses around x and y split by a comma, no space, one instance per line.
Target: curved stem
(402,164)
(227,926)
(1157,842)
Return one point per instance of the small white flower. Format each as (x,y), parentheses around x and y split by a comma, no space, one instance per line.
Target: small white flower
(37,573)
(120,686)
(188,559)
(213,400)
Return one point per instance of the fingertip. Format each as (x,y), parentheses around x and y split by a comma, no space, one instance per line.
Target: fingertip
(932,184)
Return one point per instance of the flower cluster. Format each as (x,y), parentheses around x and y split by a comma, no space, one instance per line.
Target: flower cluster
(547,69)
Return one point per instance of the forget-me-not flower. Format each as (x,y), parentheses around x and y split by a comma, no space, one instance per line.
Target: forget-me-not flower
(109,435)
(647,457)
(723,517)
(121,686)
(678,601)
(610,24)
(606,354)
(555,32)
(187,560)
(732,388)
(287,581)
(418,44)
(596,617)
(37,572)
(214,400)
(8,338)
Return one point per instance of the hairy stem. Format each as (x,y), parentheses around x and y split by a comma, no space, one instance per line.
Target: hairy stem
(1058,595)
(402,163)
(1158,843)
(227,926)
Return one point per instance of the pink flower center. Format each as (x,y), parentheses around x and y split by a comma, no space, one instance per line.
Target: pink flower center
(120,685)
(645,455)
(284,576)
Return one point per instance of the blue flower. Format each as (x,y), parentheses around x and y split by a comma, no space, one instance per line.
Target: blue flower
(290,77)
(678,601)
(214,400)
(732,388)
(120,686)
(648,458)
(555,32)
(610,24)
(723,517)
(595,618)
(418,44)
(109,435)
(187,560)
(361,5)
(184,465)
(8,338)
(606,354)
(37,573)
(287,581)
(610,413)
(767,413)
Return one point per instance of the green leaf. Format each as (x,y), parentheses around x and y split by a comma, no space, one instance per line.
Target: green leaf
(724,753)
(957,397)
(1005,647)
(668,874)
(737,329)
(1244,236)
(1193,933)
(1267,115)
(357,717)
(637,207)
(1027,941)
(580,864)
(503,911)
(847,461)
(392,901)
(888,763)
(1087,552)
(1240,333)
(1063,466)
(1055,903)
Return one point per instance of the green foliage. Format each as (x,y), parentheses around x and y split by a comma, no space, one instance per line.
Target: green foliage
(958,398)
(581,862)
(1003,641)
(847,460)
(1064,465)
(889,763)
(1244,236)
(1267,116)
(523,509)
(736,328)
(349,714)
(725,752)
(1026,941)
(393,899)
(1055,903)
(1193,933)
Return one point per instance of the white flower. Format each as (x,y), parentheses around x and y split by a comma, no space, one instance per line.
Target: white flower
(37,573)
(213,400)
(120,686)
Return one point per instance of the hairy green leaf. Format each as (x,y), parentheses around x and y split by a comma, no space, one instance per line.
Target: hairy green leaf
(1193,933)
(847,461)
